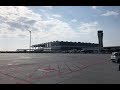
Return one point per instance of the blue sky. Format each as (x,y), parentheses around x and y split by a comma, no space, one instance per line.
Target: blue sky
(64,23)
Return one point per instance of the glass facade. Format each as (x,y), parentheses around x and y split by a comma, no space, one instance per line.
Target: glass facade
(65,45)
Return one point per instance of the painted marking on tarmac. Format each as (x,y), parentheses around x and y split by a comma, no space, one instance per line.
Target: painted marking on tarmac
(25,57)
(43,70)
(46,70)
(9,64)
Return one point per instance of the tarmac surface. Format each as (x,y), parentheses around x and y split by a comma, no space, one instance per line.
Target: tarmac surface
(49,68)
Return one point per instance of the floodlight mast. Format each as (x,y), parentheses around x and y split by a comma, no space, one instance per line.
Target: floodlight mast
(30,39)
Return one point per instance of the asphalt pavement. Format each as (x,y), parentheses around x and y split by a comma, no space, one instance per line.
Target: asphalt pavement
(56,68)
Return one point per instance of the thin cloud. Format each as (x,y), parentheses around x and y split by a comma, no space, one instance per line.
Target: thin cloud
(49,7)
(74,20)
(110,13)
(94,7)
(57,16)
(89,27)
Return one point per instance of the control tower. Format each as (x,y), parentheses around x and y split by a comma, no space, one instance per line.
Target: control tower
(100,38)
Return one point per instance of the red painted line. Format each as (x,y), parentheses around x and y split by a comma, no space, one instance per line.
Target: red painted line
(39,78)
(49,68)
(59,73)
(46,73)
(83,68)
(67,72)
(16,77)
(49,71)
(32,73)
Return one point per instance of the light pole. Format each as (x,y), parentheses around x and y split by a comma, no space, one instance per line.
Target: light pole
(30,39)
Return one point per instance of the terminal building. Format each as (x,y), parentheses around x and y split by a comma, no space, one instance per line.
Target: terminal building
(64,46)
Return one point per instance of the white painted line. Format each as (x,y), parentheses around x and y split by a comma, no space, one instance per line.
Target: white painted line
(9,64)
(43,70)
(24,57)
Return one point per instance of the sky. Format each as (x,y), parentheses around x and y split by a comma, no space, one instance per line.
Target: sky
(62,23)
